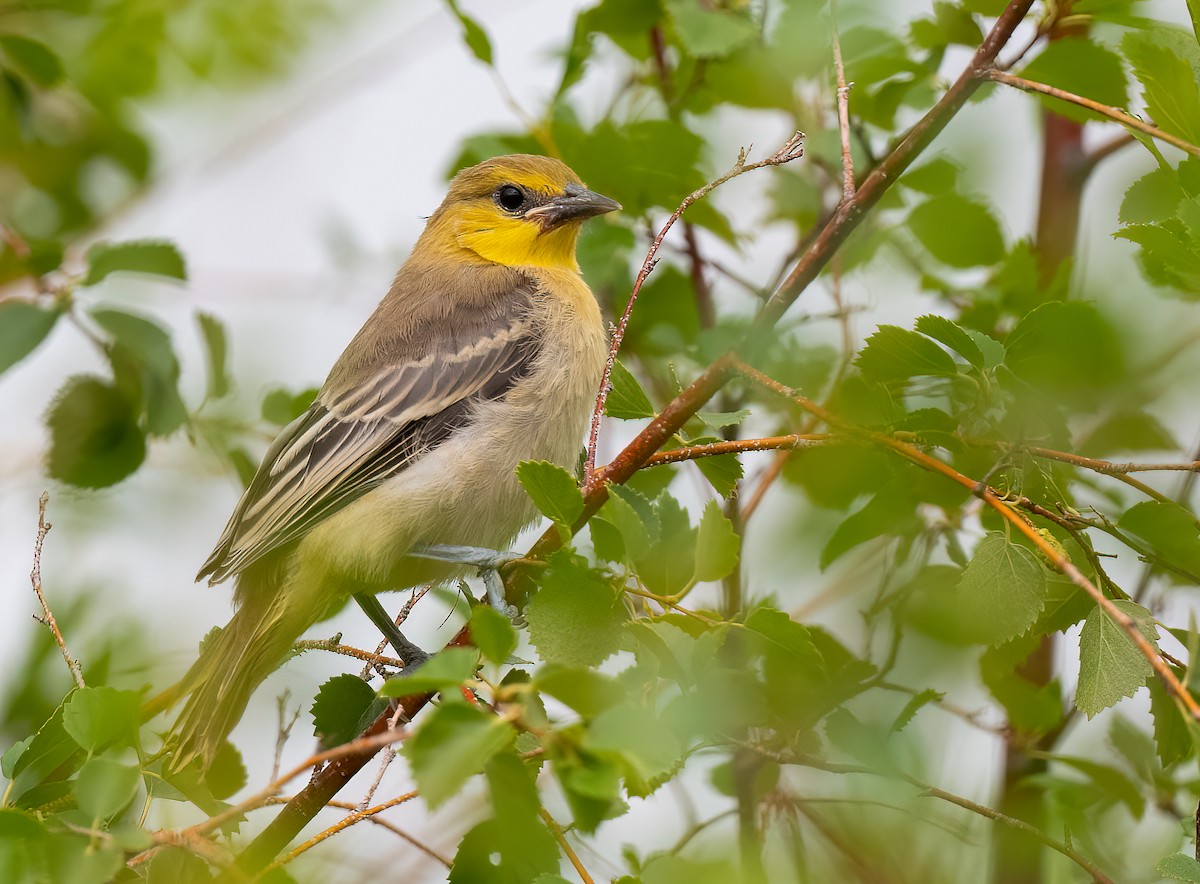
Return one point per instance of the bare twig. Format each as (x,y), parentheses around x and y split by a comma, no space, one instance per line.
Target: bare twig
(736,446)
(1113,113)
(843,109)
(336,647)
(285,730)
(35,577)
(792,149)
(346,822)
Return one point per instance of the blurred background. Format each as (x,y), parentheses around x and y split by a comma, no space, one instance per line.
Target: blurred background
(290,151)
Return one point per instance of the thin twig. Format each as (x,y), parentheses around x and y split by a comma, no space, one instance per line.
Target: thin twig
(336,647)
(285,730)
(1113,113)
(346,822)
(736,446)
(35,577)
(568,851)
(843,109)
(792,149)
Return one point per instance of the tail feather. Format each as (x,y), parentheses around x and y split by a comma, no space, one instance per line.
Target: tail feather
(234,662)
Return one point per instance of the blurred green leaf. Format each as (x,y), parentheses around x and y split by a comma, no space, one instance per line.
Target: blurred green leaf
(1110,665)
(226,773)
(94,437)
(34,58)
(282,407)
(1083,67)
(957,231)
(445,669)
(575,618)
(474,36)
(104,787)
(708,32)
(553,490)
(1065,346)
(453,743)
(586,691)
(913,706)
(1170,531)
(493,634)
(99,717)
(717,545)
(23,326)
(144,362)
(215,346)
(158,258)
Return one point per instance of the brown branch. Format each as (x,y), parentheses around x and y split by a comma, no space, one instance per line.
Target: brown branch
(792,149)
(1021,523)
(336,647)
(35,578)
(735,446)
(843,109)
(1113,113)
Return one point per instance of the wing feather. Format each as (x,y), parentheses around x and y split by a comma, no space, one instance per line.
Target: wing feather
(358,434)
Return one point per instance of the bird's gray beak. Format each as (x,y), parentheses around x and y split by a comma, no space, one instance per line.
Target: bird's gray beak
(576,204)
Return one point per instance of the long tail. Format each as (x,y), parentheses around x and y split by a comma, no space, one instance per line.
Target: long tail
(234,662)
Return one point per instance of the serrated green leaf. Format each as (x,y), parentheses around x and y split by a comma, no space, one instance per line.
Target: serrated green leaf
(226,773)
(717,545)
(552,489)
(894,353)
(723,472)
(155,257)
(1179,867)
(586,691)
(1065,346)
(1110,665)
(626,400)
(627,511)
(95,440)
(1083,67)
(452,744)
(645,745)
(957,231)
(953,336)
(97,718)
(34,58)
(338,708)
(1172,740)
(23,326)
(493,634)
(1002,590)
(1163,64)
(104,787)
(913,706)
(445,669)
(576,617)
(46,754)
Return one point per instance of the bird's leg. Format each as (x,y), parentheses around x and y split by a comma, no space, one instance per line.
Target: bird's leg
(409,653)
(488,561)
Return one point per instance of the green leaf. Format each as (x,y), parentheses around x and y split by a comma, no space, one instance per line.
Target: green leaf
(586,691)
(957,231)
(1109,780)
(913,706)
(1172,740)
(1153,197)
(895,353)
(45,755)
(708,32)
(104,787)
(1083,67)
(628,512)
(338,709)
(646,746)
(723,472)
(552,489)
(1127,431)
(97,718)
(1110,666)
(1179,867)
(94,437)
(939,175)
(1164,62)
(493,634)
(445,669)
(1002,590)
(216,348)
(156,257)
(1171,531)
(717,545)
(576,617)
(36,59)
(1031,708)
(226,773)
(145,364)
(452,744)
(890,511)
(626,400)
(474,36)
(1065,346)
(22,327)
(953,336)
(281,407)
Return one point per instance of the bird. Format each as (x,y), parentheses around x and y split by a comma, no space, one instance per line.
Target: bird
(486,351)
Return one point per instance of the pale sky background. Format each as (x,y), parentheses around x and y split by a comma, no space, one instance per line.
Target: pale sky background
(255,189)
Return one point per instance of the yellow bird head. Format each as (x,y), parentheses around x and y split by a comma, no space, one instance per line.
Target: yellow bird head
(520,211)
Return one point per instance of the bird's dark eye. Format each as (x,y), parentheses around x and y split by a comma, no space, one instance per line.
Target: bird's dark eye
(510,197)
